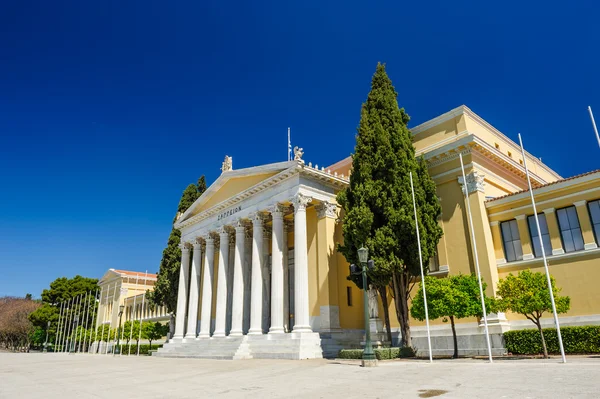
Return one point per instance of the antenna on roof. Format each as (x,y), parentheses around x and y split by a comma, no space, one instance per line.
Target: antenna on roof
(289,150)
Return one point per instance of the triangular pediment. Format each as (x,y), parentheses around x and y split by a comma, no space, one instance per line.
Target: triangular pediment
(232,183)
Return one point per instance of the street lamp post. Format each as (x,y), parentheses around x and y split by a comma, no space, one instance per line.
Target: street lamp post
(46,341)
(368,359)
(117,349)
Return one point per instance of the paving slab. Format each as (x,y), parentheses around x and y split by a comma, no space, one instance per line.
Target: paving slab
(56,375)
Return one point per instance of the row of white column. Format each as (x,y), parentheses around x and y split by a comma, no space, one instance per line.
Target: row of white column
(277,311)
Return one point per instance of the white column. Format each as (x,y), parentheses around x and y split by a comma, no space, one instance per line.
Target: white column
(277,272)
(256,294)
(286,279)
(301,312)
(207,284)
(221,310)
(192,324)
(247,267)
(237,306)
(266,275)
(182,291)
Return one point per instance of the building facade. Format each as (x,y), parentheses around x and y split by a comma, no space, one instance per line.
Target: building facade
(261,275)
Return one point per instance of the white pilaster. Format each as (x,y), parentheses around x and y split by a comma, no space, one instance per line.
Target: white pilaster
(301,312)
(257,257)
(237,306)
(277,272)
(192,323)
(221,310)
(207,284)
(182,291)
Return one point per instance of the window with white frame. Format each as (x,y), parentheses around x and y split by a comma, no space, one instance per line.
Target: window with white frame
(533,232)
(594,208)
(570,231)
(511,240)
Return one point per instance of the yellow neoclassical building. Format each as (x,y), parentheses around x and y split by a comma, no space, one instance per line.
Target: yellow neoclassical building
(261,276)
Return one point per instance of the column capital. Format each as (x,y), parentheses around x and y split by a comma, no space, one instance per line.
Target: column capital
(209,240)
(326,209)
(549,210)
(475,182)
(278,210)
(580,203)
(494,223)
(240,227)
(197,244)
(184,246)
(257,219)
(300,201)
(520,217)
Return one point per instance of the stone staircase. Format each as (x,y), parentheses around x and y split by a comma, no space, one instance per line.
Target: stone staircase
(267,346)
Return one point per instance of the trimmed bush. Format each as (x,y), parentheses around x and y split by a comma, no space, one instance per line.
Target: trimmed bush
(144,349)
(380,353)
(407,351)
(584,339)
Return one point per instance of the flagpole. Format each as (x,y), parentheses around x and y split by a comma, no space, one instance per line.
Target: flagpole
(103,314)
(86,317)
(485,323)
(70,325)
(58,325)
(75,342)
(81,335)
(141,314)
(95,316)
(112,311)
(412,188)
(594,125)
(132,318)
(537,223)
(65,324)
(289,149)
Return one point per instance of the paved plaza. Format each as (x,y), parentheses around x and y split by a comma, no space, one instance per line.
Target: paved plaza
(39,375)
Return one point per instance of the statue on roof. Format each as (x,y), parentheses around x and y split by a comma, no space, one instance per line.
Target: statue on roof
(227,164)
(298,152)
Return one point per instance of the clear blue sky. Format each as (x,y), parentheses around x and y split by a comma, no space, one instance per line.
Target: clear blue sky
(109,109)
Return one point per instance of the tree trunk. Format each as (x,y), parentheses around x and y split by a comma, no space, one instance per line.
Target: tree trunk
(400,284)
(539,326)
(386,311)
(455,356)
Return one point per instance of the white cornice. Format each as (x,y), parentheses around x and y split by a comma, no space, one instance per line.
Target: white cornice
(439,119)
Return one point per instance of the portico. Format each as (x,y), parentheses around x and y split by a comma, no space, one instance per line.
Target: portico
(248,282)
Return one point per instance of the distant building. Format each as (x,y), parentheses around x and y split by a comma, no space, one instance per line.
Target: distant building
(266,272)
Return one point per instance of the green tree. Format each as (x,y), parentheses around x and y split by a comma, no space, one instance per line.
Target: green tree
(167,281)
(153,331)
(527,294)
(377,205)
(452,297)
(131,330)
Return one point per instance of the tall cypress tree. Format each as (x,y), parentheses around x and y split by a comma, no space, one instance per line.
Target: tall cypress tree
(378,208)
(167,281)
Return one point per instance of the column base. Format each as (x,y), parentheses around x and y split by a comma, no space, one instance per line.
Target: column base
(255,331)
(177,337)
(276,330)
(189,336)
(203,336)
(369,363)
(302,329)
(238,333)
(219,334)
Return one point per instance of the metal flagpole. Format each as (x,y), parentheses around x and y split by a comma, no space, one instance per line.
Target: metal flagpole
(141,315)
(422,273)
(112,311)
(76,326)
(103,314)
(58,325)
(83,318)
(86,316)
(63,335)
(485,323)
(131,318)
(537,222)
(594,124)
(70,325)
(289,146)
(96,308)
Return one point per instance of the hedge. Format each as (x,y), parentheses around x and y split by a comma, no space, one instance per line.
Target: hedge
(144,348)
(584,339)
(380,353)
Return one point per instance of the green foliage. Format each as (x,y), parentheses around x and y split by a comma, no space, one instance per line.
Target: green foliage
(407,351)
(128,326)
(153,331)
(166,287)
(527,294)
(144,349)
(63,289)
(377,205)
(584,339)
(105,335)
(456,296)
(380,353)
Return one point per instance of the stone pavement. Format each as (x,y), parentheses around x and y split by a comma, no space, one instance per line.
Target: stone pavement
(37,375)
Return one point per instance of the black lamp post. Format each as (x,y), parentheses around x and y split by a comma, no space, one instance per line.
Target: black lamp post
(368,359)
(46,341)
(117,349)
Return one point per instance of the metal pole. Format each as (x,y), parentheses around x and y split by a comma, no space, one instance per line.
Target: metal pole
(131,317)
(58,325)
(76,324)
(594,124)
(103,314)
(70,326)
(368,353)
(63,333)
(485,323)
(412,188)
(81,335)
(46,341)
(110,326)
(142,314)
(537,223)
(95,316)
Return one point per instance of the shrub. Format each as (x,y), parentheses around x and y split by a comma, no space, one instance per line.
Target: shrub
(584,339)
(407,351)
(144,349)
(380,353)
